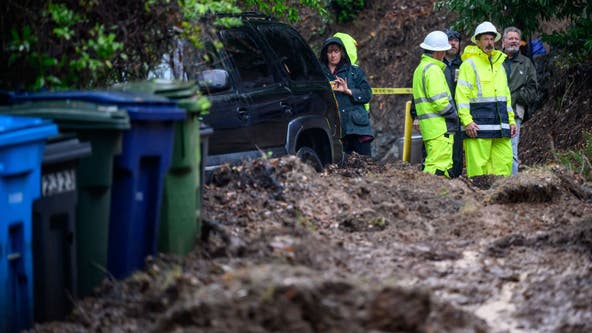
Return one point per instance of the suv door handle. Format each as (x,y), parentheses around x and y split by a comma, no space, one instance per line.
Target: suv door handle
(286,107)
(243,114)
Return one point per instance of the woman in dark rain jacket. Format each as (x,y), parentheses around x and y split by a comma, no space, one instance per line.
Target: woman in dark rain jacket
(352,91)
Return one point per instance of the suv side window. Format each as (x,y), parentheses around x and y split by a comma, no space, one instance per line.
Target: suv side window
(297,59)
(248,59)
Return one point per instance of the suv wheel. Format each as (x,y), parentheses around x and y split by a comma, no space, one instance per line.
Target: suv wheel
(310,157)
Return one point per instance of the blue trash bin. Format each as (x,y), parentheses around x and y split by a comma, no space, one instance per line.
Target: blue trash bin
(138,173)
(22,141)
(138,181)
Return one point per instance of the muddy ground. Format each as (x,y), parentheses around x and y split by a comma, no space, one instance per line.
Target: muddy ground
(375,245)
(366,248)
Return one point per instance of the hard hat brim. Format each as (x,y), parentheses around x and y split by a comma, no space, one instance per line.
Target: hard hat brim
(431,48)
(498,36)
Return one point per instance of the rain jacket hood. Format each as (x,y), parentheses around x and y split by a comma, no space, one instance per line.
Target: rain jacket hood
(334,40)
(350,46)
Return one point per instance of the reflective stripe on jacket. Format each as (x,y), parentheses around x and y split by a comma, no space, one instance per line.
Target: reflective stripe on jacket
(433,103)
(482,93)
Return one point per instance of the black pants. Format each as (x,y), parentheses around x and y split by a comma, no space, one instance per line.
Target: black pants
(351,143)
(457,155)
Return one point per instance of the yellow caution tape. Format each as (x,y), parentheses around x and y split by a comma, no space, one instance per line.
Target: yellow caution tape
(391,91)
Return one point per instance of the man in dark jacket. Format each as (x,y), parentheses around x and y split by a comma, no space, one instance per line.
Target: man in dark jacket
(352,91)
(521,80)
(452,61)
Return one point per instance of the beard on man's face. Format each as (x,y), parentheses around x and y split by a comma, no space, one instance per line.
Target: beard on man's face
(512,49)
(452,52)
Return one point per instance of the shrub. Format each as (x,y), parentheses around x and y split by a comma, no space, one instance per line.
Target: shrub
(346,10)
(578,161)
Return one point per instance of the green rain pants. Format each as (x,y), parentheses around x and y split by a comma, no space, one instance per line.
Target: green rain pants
(439,155)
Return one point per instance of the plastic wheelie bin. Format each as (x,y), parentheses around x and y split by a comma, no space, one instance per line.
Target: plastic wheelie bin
(137,173)
(138,180)
(22,141)
(54,225)
(102,126)
(180,218)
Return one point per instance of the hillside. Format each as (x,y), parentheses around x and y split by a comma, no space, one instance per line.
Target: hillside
(389,33)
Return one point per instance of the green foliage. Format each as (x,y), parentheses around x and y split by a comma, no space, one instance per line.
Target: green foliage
(79,44)
(347,10)
(284,9)
(579,161)
(64,20)
(527,15)
(576,41)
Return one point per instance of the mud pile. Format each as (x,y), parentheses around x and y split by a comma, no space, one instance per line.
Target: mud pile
(365,247)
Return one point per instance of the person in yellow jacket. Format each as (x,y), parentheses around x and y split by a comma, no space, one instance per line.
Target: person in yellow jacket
(434,106)
(484,106)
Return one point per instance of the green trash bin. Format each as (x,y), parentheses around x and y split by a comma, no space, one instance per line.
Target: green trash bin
(102,126)
(180,219)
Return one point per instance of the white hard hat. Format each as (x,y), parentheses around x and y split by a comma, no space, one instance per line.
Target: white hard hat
(436,41)
(484,28)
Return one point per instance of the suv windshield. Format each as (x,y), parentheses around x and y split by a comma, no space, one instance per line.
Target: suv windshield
(199,59)
(186,61)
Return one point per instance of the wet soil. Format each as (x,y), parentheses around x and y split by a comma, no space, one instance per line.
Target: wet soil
(366,247)
(374,245)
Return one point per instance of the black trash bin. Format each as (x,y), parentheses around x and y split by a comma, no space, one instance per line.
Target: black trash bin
(54,224)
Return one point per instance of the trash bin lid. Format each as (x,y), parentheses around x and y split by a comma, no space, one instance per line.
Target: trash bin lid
(140,105)
(14,130)
(185,94)
(168,88)
(156,112)
(65,147)
(75,115)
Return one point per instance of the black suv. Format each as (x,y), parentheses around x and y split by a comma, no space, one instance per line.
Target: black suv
(268,94)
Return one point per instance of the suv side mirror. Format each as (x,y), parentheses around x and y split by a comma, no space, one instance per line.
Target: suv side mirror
(213,80)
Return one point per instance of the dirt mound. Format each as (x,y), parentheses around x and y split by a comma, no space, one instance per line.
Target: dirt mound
(358,248)
(564,116)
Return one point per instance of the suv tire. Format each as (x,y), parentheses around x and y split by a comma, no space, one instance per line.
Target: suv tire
(310,157)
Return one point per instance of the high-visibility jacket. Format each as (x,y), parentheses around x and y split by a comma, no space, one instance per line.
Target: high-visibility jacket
(433,102)
(482,93)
